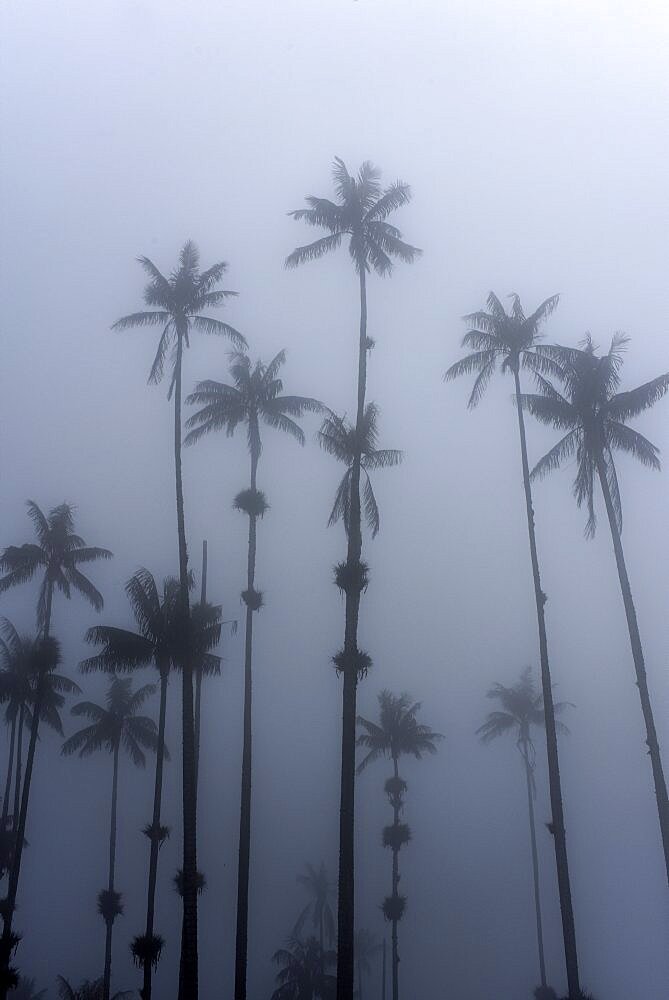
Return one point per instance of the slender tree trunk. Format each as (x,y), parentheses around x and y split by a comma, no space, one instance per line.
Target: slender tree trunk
(535,860)
(383,971)
(198,670)
(10,774)
(6,944)
(558,827)
(241,943)
(106,982)
(395,963)
(359,980)
(19,771)
(639,667)
(188,977)
(346,900)
(155,841)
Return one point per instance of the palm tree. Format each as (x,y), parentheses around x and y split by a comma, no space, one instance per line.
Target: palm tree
(318,909)
(397,733)
(302,975)
(57,554)
(366,947)
(26,990)
(594,416)
(115,726)
(512,342)
(87,991)
(522,707)
(360,214)
(255,398)
(155,642)
(176,304)
(15,692)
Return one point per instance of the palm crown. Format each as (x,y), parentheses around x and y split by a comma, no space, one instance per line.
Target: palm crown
(319,887)
(594,415)
(177,304)
(117,724)
(59,552)
(301,972)
(360,213)
(341,439)
(24,661)
(522,707)
(398,733)
(87,991)
(509,340)
(255,398)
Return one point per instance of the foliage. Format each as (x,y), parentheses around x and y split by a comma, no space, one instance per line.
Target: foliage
(320,889)
(303,972)
(397,733)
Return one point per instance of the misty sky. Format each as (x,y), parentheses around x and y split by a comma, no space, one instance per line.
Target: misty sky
(535,138)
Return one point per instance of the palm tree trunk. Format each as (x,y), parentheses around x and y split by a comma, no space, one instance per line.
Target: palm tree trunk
(241,943)
(155,831)
(639,667)
(395,962)
(557,812)
(359,980)
(198,669)
(106,982)
(383,971)
(6,944)
(188,977)
(10,774)
(19,771)
(346,900)
(535,861)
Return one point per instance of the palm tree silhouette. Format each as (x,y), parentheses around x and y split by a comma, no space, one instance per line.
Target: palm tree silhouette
(512,342)
(27,990)
(15,691)
(177,305)
(58,553)
(303,974)
(522,707)
(255,398)
(156,642)
(319,887)
(594,415)
(397,733)
(111,728)
(87,991)
(366,947)
(360,214)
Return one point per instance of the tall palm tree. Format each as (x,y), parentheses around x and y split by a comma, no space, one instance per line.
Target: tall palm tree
(303,974)
(359,215)
(521,709)
(87,991)
(511,342)
(594,416)
(318,909)
(366,948)
(255,398)
(176,304)
(156,643)
(57,554)
(113,727)
(397,734)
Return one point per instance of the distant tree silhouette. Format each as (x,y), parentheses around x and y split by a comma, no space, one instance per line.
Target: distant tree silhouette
(16,653)
(26,990)
(594,416)
(303,972)
(318,909)
(87,991)
(111,728)
(521,709)
(176,304)
(359,215)
(57,555)
(512,342)
(366,947)
(397,733)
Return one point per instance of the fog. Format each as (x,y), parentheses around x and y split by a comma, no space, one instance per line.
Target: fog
(534,137)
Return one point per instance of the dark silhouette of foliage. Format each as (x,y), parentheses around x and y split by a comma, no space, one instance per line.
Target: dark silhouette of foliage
(26,989)
(318,909)
(89,990)
(303,972)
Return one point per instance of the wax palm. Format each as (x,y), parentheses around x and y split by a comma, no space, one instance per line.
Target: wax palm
(87,991)
(366,948)
(511,342)
(177,303)
(302,974)
(521,710)
(57,554)
(340,439)
(594,415)
(318,910)
(112,727)
(255,398)
(359,215)
(397,734)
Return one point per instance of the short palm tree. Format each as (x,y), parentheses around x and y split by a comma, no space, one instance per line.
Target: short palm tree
(360,216)
(366,948)
(318,910)
(113,727)
(303,972)
(58,555)
(511,342)
(521,710)
(155,643)
(593,416)
(397,734)
(87,991)
(255,398)
(176,304)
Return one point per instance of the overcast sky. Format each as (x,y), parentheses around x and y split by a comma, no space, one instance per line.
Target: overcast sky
(535,138)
